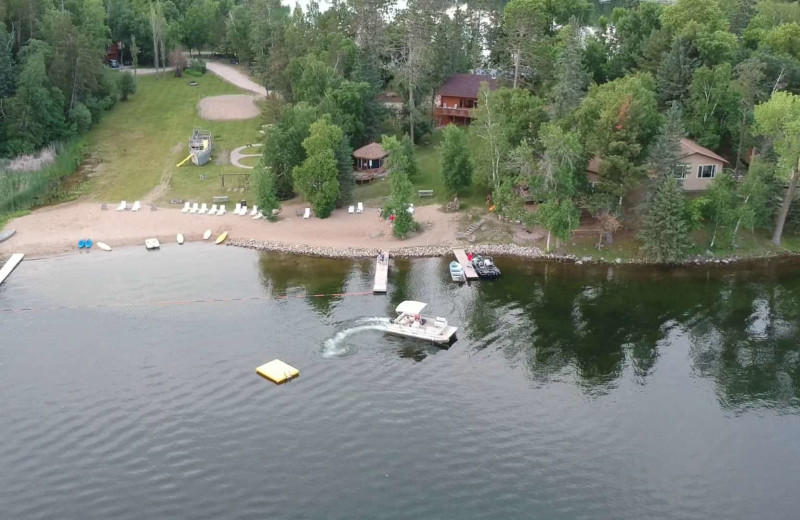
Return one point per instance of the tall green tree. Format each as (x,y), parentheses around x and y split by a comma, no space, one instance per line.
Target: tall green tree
(6,63)
(664,156)
(722,208)
(264,184)
(454,159)
(399,165)
(750,86)
(316,179)
(675,73)
(570,78)
(713,106)
(665,231)
(283,149)
(778,120)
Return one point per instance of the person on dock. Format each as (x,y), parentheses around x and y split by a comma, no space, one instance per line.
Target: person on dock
(469,256)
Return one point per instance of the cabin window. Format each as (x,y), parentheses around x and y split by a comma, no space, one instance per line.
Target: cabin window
(706,171)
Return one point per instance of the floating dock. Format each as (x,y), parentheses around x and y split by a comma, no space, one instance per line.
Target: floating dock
(469,271)
(277,371)
(381,273)
(10,265)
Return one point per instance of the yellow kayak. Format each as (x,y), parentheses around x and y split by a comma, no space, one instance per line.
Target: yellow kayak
(222,237)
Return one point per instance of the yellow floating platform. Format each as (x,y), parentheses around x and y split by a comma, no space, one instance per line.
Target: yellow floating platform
(277,371)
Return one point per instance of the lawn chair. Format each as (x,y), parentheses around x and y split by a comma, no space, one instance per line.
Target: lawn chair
(351,210)
(307,213)
(255,211)
(203,209)
(222,210)
(258,216)
(195,208)
(360,207)
(122,206)
(237,208)
(213,210)
(186,207)
(243,211)
(136,206)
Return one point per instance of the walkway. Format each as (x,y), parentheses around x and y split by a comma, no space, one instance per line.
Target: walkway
(231,75)
(237,155)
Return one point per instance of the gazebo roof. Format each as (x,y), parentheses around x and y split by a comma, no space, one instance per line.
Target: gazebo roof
(370,151)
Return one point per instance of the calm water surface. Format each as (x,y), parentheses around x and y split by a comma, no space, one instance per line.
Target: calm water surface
(128,390)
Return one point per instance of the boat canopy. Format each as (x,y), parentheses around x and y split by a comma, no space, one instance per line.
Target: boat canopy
(410,307)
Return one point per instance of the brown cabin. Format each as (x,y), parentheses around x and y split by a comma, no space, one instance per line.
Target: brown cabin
(702,165)
(369,162)
(457,99)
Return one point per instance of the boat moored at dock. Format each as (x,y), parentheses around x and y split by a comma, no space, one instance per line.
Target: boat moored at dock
(411,323)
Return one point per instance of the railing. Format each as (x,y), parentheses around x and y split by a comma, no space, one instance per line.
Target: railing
(458,112)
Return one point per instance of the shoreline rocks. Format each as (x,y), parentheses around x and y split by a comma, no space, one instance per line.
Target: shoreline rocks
(511,250)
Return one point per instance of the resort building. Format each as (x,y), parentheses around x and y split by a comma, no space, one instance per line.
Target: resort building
(702,165)
(457,99)
(369,162)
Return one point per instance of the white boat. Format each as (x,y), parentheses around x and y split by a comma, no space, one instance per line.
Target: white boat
(5,235)
(457,272)
(104,246)
(412,324)
(179,238)
(207,234)
(151,243)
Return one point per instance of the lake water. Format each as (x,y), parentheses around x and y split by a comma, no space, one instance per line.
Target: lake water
(128,390)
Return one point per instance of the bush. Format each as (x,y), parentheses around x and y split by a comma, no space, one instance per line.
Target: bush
(199,66)
(127,85)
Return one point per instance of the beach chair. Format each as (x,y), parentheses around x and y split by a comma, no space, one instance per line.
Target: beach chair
(258,216)
(213,210)
(195,208)
(203,209)
(243,211)
(122,206)
(307,213)
(136,206)
(186,207)
(351,210)
(360,207)
(237,208)
(255,211)
(222,210)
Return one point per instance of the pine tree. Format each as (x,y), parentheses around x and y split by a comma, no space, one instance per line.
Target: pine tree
(675,73)
(664,157)
(571,78)
(665,231)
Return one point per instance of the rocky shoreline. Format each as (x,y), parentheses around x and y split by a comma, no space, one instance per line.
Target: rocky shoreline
(513,250)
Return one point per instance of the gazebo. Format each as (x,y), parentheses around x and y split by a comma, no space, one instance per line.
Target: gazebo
(369,162)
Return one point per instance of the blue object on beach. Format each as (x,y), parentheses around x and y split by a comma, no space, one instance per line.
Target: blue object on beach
(81,244)
(88,243)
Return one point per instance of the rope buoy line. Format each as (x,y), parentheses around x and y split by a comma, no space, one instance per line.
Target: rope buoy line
(184,302)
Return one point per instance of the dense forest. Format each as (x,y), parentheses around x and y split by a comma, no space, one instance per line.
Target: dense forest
(623,86)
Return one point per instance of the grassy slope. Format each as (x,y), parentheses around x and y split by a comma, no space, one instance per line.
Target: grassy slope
(141,141)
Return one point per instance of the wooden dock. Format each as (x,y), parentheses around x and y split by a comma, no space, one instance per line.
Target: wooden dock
(469,271)
(10,265)
(381,273)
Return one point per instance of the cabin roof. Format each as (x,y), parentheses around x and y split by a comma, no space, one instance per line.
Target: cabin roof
(370,151)
(410,307)
(689,147)
(466,85)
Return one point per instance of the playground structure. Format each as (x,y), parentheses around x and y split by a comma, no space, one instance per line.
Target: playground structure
(200,147)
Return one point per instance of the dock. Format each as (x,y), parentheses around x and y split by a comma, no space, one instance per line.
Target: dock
(381,273)
(469,271)
(10,265)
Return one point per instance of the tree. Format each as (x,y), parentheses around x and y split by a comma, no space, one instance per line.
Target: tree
(722,208)
(6,63)
(675,73)
(158,25)
(127,85)
(750,86)
(454,159)
(712,109)
(283,148)
(489,140)
(316,179)
(778,119)
(399,164)
(664,157)
(571,78)
(401,155)
(178,61)
(665,231)
(559,217)
(344,165)
(685,15)
(196,26)
(264,184)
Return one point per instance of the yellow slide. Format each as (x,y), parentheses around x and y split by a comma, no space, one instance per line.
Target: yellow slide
(184,161)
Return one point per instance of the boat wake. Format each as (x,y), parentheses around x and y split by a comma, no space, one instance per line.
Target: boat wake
(338,346)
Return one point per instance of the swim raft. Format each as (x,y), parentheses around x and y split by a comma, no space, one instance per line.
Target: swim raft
(277,371)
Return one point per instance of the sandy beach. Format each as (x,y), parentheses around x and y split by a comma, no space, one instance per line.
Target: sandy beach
(56,229)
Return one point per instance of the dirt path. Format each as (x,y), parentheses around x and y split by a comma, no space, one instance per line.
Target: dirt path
(235,77)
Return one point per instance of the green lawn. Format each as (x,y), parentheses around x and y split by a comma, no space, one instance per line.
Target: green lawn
(430,178)
(140,141)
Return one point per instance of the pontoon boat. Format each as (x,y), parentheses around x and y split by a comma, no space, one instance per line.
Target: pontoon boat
(411,323)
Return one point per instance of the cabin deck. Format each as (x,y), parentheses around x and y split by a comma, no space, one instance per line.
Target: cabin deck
(469,271)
